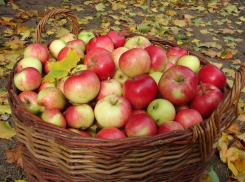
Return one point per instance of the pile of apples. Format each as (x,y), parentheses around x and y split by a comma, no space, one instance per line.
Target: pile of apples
(122,87)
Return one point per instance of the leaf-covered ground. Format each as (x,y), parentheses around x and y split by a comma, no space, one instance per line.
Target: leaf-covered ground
(214,29)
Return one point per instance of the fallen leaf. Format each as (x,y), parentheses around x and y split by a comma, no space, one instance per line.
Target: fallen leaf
(100,7)
(6,131)
(16,43)
(171,13)
(14,155)
(229,72)
(235,129)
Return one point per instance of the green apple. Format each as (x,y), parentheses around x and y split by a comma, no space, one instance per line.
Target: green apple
(161,110)
(56,46)
(156,76)
(189,61)
(120,76)
(85,36)
(29,62)
(137,42)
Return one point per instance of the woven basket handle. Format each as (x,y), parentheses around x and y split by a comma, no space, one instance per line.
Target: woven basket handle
(53,12)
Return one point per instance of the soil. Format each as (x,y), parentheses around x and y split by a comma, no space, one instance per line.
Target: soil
(11,172)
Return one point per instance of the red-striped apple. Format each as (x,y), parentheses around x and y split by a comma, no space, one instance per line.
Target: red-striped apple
(29,100)
(38,51)
(54,116)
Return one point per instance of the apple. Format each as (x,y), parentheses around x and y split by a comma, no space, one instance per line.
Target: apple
(137,42)
(38,51)
(60,84)
(29,100)
(94,51)
(119,76)
(50,97)
(81,87)
(27,79)
(189,61)
(169,65)
(116,54)
(108,87)
(83,133)
(140,90)
(156,76)
(63,53)
(111,133)
(85,36)
(102,64)
(79,68)
(188,117)
(158,57)
(77,44)
(134,62)
(211,74)
(29,62)
(170,126)
(45,66)
(138,111)
(112,111)
(54,116)
(161,110)
(101,41)
(117,38)
(68,37)
(56,46)
(173,59)
(178,51)
(181,107)
(207,99)
(46,84)
(140,125)
(79,116)
(178,85)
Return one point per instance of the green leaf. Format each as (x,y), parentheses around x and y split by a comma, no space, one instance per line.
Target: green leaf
(61,68)
(143,27)
(212,174)
(3,89)
(2,2)
(100,7)
(162,9)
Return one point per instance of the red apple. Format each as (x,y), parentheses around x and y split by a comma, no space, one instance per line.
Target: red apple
(46,84)
(29,62)
(101,41)
(211,74)
(158,57)
(176,51)
(173,58)
(102,64)
(27,79)
(138,111)
(83,133)
(68,37)
(76,44)
(137,42)
(50,97)
(92,52)
(60,84)
(29,100)
(140,125)
(135,62)
(207,99)
(178,85)
(140,90)
(169,65)
(116,54)
(45,66)
(108,87)
(110,133)
(54,116)
(112,111)
(181,107)
(38,51)
(63,53)
(82,87)
(117,38)
(188,117)
(79,116)
(170,126)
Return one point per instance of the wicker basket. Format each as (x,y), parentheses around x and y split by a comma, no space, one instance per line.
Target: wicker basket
(51,153)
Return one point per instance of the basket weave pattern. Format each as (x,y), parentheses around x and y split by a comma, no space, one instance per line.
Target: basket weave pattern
(51,153)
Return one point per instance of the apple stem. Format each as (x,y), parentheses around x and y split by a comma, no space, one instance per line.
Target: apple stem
(201,85)
(115,102)
(108,79)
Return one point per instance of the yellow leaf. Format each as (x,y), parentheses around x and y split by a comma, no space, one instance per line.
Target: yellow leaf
(8,19)
(16,43)
(219,65)
(61,68)
(233,168)
(237,61)
(214,38)
(154,10)
(14,6)
(210,53)
(230,82)
(242,137)
(229,72)
(204,31)
(6,131)
(20,181)
(5,109)
(241,117)
(171,13)
(179,23)
(195,41)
